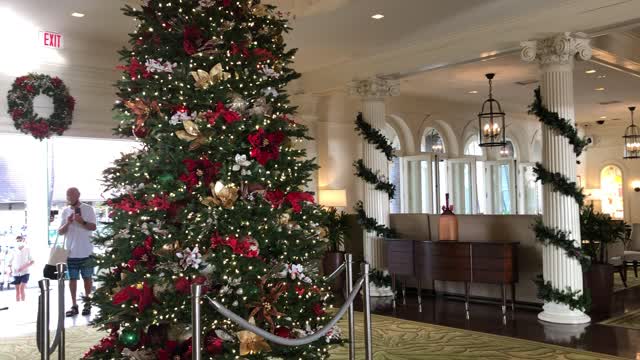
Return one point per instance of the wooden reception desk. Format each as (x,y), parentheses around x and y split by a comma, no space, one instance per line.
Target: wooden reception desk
(461,261)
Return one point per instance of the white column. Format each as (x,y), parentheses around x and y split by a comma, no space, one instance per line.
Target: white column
(376,203)
(556,58)
(37,203)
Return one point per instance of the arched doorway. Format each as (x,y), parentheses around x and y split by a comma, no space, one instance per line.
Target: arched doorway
(612,191)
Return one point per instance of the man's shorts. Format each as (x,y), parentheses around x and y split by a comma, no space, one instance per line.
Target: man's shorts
(21,279)
(77,266)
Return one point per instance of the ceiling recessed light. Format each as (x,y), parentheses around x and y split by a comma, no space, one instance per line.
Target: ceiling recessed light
(590,71)
(77,14)
(377,16)
(603,117)
(599,89)
(473,92)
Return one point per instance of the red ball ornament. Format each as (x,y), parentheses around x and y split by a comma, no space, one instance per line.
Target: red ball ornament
(283,332)
(140,132)
(214,344)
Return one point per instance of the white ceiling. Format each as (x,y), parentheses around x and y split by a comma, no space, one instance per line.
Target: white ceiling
(338,37)
(103,23)
(454,83)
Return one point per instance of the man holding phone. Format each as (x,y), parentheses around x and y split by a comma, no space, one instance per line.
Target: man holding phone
(79,222)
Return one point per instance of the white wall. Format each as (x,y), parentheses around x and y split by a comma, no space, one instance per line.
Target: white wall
(89,71)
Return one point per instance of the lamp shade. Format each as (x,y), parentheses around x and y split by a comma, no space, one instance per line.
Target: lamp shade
(333,198)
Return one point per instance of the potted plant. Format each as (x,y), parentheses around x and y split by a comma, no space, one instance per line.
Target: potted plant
(598,232)
(336,231)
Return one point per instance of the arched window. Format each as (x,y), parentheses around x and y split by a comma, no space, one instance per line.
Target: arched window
(394,177)
(611,188)
(432,142)
(473,147)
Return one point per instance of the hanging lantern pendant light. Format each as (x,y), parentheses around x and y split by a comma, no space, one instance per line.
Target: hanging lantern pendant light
(491,120)
(632,139)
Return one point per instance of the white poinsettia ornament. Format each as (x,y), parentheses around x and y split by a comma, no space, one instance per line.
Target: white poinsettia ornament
(269,72)
(180,116)
(241,164)
(270,91)
(296,272)
(206,3)
(158,66)
(190,258)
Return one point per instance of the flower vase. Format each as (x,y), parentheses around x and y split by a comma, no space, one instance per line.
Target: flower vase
(448,223)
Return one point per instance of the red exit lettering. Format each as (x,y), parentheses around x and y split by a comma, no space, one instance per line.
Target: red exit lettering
(51,39)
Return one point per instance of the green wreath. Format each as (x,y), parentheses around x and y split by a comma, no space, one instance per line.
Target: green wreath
(20,101)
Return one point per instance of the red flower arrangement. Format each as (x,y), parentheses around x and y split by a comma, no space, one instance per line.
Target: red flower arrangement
(199,170)
(229,116)
(183,284)
(192,38)
(142,254)
(265,146)
(135,69)
(141,294)
(247,247)
(294,198)
(159,202)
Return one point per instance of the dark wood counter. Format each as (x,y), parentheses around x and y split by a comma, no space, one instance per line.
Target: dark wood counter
(462,261)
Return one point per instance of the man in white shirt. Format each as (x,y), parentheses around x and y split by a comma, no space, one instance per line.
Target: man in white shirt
(79,222)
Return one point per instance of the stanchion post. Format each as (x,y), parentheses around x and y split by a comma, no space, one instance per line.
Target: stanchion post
(61,314)
(44,318)
(196,293)
(348,259)
(368,347)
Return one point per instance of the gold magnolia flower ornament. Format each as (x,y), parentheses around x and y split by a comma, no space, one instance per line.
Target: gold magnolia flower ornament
(222,195)
(251,343)
(191,133)
(205,79)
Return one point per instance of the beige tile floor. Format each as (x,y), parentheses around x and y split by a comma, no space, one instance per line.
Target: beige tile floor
(20,318)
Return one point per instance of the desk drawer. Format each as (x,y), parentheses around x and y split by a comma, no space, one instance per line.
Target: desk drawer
(399,245)
(493,250)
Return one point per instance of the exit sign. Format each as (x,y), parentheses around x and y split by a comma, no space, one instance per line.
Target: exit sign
(50,39)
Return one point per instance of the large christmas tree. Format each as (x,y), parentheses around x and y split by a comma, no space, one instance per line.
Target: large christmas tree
(215,195)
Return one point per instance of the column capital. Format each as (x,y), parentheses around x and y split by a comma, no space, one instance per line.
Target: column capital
(560,49)
(373,87)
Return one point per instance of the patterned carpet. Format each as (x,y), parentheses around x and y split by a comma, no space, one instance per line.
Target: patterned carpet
(630,320)
(632,280)
(393,339)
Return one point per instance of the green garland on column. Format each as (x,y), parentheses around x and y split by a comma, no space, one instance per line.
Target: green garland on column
(374,137)
(573,298)
(379,182)
(560,238)
(560,183)
(553,120)
(370,224)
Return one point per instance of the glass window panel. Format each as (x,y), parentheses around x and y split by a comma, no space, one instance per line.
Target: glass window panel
(473,147)
(79,162)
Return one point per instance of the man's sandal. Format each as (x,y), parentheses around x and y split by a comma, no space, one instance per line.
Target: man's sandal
(86,310)
(73,311)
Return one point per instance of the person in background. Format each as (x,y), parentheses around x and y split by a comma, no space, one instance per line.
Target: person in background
(19,267)
(78,223)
